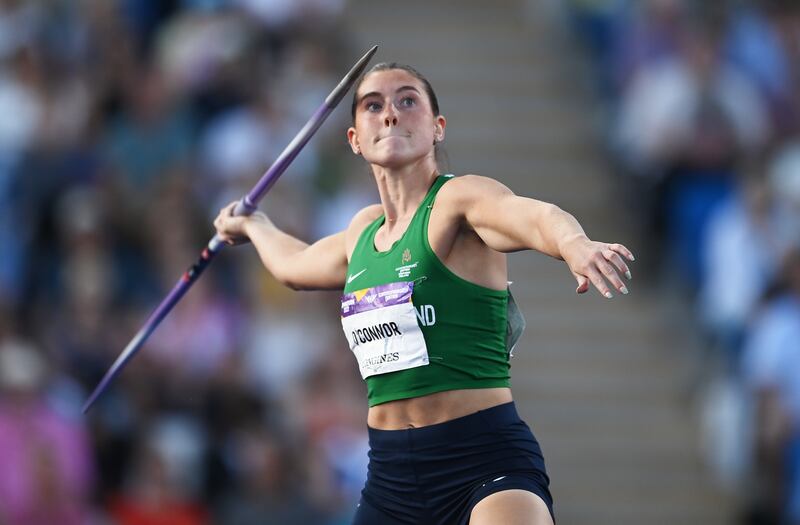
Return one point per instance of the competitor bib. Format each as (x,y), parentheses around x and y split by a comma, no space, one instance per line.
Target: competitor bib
(380,324)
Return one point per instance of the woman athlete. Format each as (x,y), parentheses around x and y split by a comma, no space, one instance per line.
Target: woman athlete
(425,312)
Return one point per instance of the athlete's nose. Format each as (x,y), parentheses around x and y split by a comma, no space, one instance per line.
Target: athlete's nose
(390,116)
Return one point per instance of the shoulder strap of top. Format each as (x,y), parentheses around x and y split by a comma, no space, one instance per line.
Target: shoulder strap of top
(437,185)
(420,228)
(431,197)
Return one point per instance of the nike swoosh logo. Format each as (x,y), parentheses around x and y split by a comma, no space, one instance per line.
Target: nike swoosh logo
(352,278)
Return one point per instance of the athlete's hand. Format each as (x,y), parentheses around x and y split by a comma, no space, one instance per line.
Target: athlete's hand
(233,229)
(597,263)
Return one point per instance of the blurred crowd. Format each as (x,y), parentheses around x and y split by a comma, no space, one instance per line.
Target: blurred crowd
(126,125)
(701,114)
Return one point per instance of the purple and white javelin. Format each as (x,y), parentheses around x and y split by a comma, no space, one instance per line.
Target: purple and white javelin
(246,206)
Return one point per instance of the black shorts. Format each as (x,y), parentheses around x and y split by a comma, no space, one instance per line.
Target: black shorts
(435,475)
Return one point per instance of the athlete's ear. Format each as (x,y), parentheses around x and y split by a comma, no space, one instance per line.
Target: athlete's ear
(352,139)
(438,130)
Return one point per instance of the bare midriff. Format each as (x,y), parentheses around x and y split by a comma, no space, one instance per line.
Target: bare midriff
(435,408)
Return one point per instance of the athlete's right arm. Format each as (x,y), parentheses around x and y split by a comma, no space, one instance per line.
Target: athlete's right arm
(296,264)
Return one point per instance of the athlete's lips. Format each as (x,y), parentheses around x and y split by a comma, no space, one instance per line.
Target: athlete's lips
(404,135)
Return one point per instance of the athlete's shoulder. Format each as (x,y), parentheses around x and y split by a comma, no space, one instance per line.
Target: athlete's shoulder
(364,216)
(464,190)
(360,220)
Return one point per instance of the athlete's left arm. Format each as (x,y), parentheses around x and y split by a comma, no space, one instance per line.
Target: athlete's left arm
(509,223)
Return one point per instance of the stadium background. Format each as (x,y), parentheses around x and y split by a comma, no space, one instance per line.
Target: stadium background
(668,125)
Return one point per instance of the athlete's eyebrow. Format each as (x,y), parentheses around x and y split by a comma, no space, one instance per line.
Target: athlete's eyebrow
(377,93)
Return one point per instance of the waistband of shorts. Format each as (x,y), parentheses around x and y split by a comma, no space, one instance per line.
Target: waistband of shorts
(446,432)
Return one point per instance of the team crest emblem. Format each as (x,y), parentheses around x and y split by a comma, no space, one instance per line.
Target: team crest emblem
(406,256)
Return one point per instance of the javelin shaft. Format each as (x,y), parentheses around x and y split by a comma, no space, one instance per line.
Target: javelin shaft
(246,206)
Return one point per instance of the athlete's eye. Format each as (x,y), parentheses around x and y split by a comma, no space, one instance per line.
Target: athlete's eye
(407,102)
(373,106)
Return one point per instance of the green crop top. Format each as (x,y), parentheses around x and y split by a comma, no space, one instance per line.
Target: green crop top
(414,326)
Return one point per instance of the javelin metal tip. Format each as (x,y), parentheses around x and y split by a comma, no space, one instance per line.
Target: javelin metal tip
(362,63)
(339,91)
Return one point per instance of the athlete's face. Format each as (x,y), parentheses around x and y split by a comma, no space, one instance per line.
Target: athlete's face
(394,122)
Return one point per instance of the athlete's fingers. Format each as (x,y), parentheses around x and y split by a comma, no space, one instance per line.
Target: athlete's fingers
(622,250)
(614,258)
(583,283)
(610,274)
(219,221)
(597,280)
(229,226)
(226,210)
(218,226)
(221,224)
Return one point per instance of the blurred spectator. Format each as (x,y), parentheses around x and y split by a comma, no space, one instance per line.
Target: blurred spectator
(765,44)
(342,192)
(272,488)
(332,418)
(596,23)
(193,342)
(88,279)
(162,488)
(651,33)
(20,95)
(683,124)
(48,473)
(280,14)
(152,136)
(217,57)
(235,148)
(740,247)
(784,179)
(771,366)
(748,235)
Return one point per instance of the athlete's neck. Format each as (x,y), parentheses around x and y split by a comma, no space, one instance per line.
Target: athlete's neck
(402,190)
